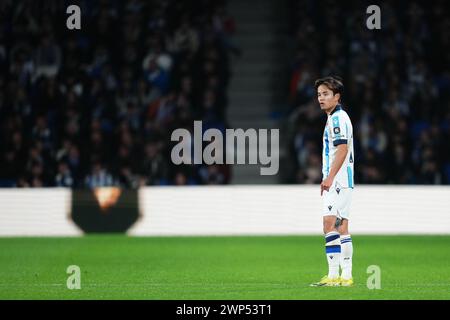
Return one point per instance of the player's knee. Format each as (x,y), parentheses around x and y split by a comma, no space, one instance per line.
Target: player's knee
(328,227)
(343,228)
(343,231)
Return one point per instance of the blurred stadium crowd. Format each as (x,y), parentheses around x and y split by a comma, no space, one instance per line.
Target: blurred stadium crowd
(397,88)
(96,106)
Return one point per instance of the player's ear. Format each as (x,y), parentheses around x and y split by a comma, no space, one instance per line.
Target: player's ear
(338,96)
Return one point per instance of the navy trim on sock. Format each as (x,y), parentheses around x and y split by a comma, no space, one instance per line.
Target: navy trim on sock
(333,249)
(332,237)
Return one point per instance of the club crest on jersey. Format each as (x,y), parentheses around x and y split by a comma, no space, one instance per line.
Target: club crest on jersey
(336,130)
(335,122)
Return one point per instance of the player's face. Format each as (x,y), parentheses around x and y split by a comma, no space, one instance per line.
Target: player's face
(326,98)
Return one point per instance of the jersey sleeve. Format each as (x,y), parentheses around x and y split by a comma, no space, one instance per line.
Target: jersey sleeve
(339,129)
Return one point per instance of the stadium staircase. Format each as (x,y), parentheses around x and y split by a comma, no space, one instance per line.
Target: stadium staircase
(258,88)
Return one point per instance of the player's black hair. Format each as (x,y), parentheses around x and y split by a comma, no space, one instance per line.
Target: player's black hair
(334,83)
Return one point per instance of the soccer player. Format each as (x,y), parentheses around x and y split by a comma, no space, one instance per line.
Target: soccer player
(337,184)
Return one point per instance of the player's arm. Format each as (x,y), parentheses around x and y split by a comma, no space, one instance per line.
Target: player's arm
(341,153)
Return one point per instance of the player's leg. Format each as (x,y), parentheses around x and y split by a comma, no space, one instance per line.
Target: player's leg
(345,199)
(332,240)
(332,251)
(346,252)
(332,245)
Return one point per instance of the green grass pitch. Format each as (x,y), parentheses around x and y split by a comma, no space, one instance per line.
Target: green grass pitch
(273,267)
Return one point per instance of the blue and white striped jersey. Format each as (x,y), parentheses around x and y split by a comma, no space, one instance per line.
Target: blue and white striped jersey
(338,130)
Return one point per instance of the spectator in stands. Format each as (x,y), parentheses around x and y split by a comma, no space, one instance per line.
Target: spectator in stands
(99,177)
(48,57)
(64,176)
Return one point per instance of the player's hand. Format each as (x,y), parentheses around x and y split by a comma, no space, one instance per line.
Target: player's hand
(326,184)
